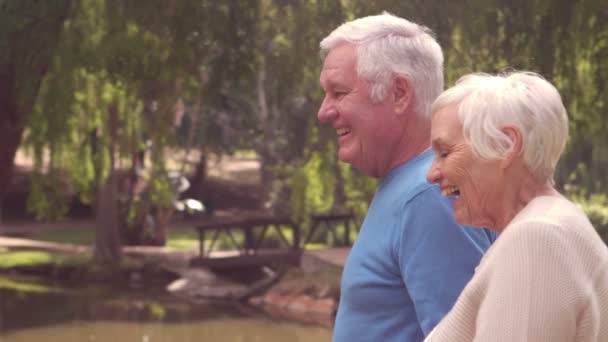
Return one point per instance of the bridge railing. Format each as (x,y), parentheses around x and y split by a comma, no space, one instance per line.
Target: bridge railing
(254,230)
(330,224)
(248,238)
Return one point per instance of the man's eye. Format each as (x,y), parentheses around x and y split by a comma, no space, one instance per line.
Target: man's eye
(443,154)
(340,94)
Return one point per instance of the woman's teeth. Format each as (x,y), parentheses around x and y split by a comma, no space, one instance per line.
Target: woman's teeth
(450,191)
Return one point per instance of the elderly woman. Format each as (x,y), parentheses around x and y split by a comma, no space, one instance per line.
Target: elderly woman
(497,140)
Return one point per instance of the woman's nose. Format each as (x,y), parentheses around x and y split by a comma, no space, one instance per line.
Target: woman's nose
(434,174)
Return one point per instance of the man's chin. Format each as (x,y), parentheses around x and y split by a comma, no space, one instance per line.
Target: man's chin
(343,155)
(347,158)
(361,167)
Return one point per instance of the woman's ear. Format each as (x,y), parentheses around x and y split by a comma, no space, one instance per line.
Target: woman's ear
(516,142)
(403,94)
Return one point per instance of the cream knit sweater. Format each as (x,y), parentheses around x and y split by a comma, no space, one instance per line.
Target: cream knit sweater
(544,279)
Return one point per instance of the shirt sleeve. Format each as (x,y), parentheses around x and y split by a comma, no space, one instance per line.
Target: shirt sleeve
(532,289)
(436,256)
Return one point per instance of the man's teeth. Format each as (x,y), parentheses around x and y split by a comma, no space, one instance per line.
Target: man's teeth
(449,191)
(342,131)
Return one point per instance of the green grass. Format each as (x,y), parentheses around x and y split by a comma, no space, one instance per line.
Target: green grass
(182,240)
(178,239)
(157,310)
(81,235)
(14,259)
(313,246)
(245,154)
(33,258)
(22,286)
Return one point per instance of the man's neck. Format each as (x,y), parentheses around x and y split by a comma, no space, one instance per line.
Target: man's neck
(414,141)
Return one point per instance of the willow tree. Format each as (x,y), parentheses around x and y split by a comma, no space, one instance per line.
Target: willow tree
(581,74)
(248,75)
(29,35)
(300,172)
(87,114)
(565,41)
(114,86)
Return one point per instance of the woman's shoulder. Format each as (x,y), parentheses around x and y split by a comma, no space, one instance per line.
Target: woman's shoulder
(557,228)
(552,215)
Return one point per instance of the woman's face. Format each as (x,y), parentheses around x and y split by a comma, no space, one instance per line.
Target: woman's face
(476,183)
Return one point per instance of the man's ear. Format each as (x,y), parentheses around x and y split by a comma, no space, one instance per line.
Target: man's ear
(403,94)
(514,135)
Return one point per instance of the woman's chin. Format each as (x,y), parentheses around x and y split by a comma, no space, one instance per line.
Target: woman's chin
(462,219)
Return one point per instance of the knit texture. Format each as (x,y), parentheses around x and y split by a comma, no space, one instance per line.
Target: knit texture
(544,279)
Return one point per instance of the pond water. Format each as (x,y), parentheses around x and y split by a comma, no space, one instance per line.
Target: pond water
(34,312)
(226,329)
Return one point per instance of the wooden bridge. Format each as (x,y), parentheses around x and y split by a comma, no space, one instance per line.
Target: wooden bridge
(266,240)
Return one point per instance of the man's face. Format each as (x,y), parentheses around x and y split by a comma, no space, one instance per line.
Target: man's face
(362,127)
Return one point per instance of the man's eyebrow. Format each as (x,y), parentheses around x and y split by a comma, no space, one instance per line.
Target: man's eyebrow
(332,84)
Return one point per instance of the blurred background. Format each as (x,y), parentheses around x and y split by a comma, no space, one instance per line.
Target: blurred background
(127,123)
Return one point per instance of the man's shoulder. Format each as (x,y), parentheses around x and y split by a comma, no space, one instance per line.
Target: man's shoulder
(433,212)
(408,190)
(408,179)
(425,195)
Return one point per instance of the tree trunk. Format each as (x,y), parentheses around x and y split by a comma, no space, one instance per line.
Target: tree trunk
(264,150)
(107,238)
(197,182)
(163,216)
(339,194)
(11,130)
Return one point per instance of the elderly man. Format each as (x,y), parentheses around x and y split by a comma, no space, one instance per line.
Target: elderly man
(410,261)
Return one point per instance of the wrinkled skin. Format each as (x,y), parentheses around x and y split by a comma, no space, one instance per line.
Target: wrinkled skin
(480,182)
(370,135)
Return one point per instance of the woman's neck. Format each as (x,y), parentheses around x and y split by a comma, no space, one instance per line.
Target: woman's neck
(519,194)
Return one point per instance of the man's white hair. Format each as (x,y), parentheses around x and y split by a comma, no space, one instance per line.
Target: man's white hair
(487,104)
(387,46)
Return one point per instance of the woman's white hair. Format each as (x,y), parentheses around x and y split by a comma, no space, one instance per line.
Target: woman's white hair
(387,46)
(487,104)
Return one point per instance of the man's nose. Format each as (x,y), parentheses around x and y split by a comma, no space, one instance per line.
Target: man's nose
(327,112)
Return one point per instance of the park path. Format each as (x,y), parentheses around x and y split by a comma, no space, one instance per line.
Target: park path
(167,256)
(10,237)
(27,244)
(334,256)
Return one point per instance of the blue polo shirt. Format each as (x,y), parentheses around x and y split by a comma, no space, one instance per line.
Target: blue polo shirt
(409,263)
